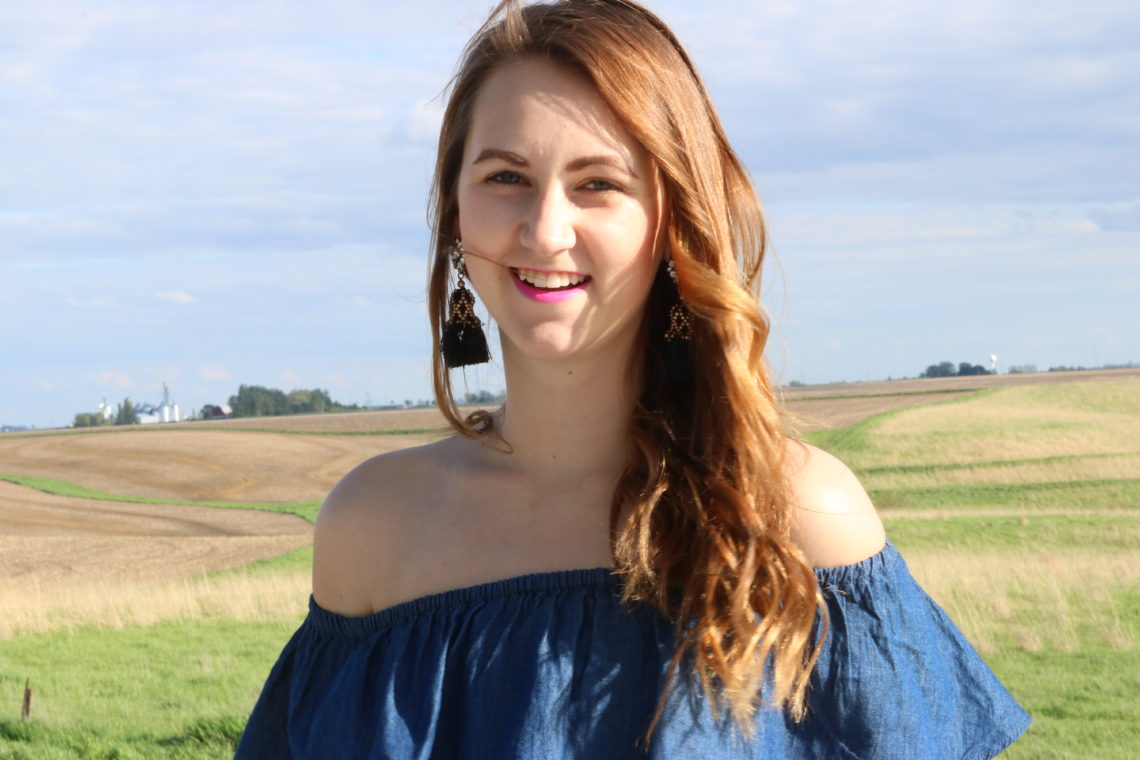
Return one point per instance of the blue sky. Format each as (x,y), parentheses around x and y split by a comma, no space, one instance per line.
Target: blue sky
(209,193)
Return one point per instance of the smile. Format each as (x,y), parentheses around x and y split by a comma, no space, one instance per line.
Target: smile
(549,287)
(550,280)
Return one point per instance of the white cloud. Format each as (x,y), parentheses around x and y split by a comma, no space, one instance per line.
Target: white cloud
(118,379)
(176,296)
(334,379)
(291,377)
(213,373)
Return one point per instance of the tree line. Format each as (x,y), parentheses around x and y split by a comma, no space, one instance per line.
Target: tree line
(947,369)
(258,401)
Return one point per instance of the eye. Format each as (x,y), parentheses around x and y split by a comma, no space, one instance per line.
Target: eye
(601,185)
(505,178)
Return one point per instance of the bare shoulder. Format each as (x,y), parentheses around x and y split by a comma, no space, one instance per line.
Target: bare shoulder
(364,524)
(834,522)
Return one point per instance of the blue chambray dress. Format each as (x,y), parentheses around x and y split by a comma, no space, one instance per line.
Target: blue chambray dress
(552,666)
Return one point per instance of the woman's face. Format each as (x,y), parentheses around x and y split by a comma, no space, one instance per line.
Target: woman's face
(558,213)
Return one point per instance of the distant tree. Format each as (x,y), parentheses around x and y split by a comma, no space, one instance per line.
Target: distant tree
(485,397)
(315,401)
(947,369)
(943,369)
(258,401)
(126,414)
(84,419)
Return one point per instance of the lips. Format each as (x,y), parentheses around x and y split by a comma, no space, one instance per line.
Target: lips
(549,287)
(550,280)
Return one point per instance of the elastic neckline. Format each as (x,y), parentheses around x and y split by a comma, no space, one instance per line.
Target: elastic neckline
(553,582)
(557,581)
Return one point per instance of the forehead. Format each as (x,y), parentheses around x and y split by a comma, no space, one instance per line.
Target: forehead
(537,104)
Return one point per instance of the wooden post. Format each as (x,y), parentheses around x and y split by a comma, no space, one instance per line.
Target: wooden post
(27,708)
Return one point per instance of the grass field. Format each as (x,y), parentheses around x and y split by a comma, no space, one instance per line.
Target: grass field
(1017,507)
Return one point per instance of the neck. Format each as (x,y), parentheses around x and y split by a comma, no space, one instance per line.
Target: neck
(567,421)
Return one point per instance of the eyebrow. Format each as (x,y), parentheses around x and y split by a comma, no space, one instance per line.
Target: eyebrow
(612,162)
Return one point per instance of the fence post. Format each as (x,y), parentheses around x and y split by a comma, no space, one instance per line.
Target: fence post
(26,710)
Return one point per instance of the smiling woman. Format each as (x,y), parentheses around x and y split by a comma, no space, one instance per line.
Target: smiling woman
(630,557)
(562,212)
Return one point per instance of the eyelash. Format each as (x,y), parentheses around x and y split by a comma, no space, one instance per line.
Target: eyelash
(514,178)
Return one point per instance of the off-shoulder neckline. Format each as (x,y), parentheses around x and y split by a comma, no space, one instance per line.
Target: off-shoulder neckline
(545,584)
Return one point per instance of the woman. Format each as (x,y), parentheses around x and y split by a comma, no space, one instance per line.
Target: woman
(739,597)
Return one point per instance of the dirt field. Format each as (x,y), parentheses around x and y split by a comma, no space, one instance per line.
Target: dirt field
(198,464)
(58,539)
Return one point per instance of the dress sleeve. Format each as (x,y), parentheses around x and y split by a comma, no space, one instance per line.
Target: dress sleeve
(897,679)
(265,734)
(299,685)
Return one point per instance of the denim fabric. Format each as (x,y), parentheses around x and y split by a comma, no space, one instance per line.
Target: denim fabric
(552,666)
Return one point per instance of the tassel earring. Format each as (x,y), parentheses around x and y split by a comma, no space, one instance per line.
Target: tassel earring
(463,341)
(680,320)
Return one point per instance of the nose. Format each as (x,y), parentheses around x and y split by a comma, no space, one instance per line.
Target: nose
(549,227)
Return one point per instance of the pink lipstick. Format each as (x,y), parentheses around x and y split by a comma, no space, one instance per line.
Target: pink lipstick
(552,293)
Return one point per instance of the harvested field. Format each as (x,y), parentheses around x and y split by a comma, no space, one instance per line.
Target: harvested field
(55,548)
(198,464)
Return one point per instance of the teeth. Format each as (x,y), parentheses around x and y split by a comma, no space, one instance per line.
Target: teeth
(549,280)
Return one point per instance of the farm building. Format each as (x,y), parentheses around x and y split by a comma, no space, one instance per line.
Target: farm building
(167,411)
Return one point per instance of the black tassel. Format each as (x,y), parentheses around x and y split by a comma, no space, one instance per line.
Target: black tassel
(679,367)
(463,342)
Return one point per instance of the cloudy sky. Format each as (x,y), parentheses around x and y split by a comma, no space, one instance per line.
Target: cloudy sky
(213,193)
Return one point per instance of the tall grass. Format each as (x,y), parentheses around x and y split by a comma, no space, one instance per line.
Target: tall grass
(1035,601)
(32,608)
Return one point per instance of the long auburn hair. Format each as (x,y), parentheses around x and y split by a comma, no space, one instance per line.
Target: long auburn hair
(707,541)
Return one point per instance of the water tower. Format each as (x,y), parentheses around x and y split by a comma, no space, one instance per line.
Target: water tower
(993,364)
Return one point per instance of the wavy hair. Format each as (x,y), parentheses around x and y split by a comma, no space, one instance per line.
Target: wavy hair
(707,541)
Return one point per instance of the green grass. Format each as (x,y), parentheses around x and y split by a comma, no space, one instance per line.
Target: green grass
(172,690)
(901,469)
(298,559)
(1084,704)
(1104,494)
(1040,532)
(306,509)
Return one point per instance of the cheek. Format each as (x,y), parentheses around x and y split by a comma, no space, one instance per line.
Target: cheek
(483,220)
(632,243)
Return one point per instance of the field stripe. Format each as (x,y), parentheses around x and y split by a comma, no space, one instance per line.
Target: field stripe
(902,469)
(1104,493)
(305,509)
